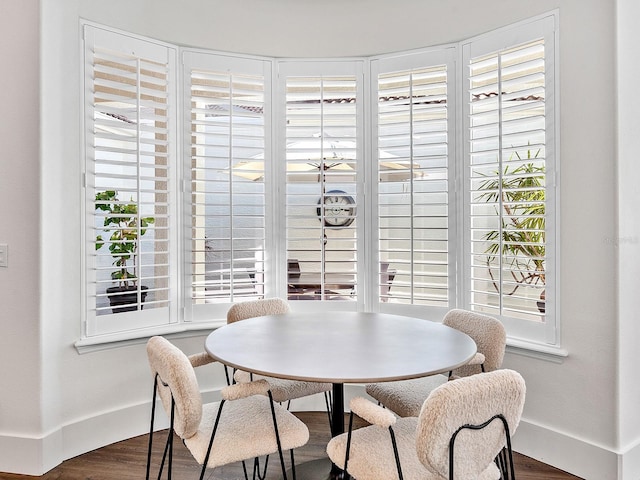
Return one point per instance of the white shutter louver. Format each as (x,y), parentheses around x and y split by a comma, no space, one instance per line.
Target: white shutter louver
(507,175)
(227,186)
(413,191)
(129,191)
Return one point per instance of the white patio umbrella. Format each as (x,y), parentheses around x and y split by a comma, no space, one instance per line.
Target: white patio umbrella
(338,157)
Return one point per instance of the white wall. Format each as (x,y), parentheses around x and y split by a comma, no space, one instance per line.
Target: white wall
(79,402)
(628,69)
(20,351)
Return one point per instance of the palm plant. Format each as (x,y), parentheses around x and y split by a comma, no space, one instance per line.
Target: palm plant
(520,241)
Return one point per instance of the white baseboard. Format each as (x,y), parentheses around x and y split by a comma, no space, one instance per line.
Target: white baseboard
(629,463)
(573,455)
(37,455)
(21,455)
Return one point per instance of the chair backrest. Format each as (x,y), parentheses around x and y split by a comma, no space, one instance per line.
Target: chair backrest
(177,379)
(293,268)
(471,400)
(257,308)
(488,333)
(386,279)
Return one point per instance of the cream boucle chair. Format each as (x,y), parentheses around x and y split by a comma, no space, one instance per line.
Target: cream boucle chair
(464,428)
(283,390)
(406,397)
(245,424)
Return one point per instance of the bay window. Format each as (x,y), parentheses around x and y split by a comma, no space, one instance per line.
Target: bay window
(408,183)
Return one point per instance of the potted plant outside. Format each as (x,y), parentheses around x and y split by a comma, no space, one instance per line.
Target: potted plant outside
(121,220)
(521,239)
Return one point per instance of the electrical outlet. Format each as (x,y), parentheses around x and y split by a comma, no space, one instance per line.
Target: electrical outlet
(4,255)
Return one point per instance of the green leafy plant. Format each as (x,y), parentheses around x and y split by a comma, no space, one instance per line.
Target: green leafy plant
(121,220)
(521,239)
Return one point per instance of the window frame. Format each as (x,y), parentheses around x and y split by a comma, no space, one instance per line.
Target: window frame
(545,334)
(284,69)
(97,327)
(185,317)
(244,64)
(445,55)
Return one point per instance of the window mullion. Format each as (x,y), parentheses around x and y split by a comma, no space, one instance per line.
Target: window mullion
(412,232)
(232,236)
(500,189)
(137,263)
(323,185)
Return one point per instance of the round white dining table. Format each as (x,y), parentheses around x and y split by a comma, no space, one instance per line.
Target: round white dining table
(340,347)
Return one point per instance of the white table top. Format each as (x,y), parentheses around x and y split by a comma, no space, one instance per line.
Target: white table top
(340,347)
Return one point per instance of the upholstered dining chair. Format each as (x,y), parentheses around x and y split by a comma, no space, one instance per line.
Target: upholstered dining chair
(245,424)
(282,390)
(405,397)
(463,432)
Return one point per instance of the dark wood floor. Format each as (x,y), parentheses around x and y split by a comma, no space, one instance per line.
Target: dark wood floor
(126,460)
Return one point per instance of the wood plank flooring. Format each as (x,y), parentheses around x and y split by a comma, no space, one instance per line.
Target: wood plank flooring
(126,460)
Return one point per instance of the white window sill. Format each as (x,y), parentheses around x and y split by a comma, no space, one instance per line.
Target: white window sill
(179,330)
(550,353)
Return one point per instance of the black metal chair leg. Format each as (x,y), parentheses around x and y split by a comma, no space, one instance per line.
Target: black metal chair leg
(164,455)
(213,435)
(153,417)
(509,452)
(347,450)
(293,465)
(395,453)
(275,427)
(500,462)
(173,413)
(168,449)
(256,468)
(327,402)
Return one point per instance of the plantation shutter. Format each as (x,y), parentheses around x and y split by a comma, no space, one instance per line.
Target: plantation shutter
(129,98)
(323,157)
(510,175)
(228,166)
(414,114)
